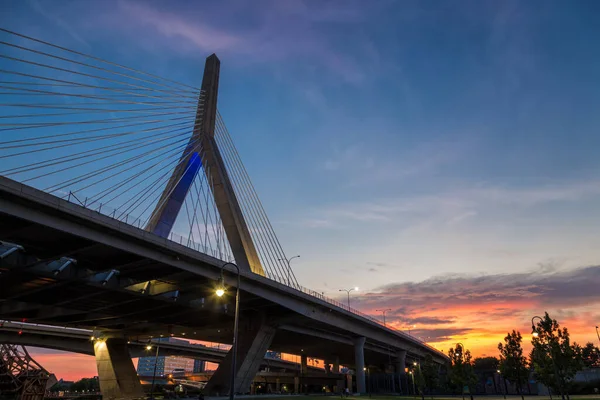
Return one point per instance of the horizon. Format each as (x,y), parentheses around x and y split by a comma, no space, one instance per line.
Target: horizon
(440,156)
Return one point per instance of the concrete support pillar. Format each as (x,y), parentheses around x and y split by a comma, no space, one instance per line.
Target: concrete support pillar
(400,368)
(303,363)
(359,362)
(253,343)
(336,366)
(277,385)
(296,385)
(390,376)
(116,373)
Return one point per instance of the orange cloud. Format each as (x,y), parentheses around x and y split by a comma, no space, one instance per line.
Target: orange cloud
(478,311)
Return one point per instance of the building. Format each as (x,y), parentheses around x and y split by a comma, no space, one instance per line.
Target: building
(166,365)
(199,366)
(273,354)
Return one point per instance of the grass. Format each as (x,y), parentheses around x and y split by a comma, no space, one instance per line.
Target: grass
(377,397)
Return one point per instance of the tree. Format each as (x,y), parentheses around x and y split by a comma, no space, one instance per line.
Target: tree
(513,365)
(555,360)
(590,355)
(427,376)
(86,384)
(461,369)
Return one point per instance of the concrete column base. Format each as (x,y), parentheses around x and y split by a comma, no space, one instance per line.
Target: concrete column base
(400,370)
(253,343)
(116,373)
(359,364)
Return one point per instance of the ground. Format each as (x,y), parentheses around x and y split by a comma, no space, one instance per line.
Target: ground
(512,397)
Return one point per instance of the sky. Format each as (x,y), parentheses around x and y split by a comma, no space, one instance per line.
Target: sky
(442,156)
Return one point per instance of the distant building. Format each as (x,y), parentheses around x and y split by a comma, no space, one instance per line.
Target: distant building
(273,354)
(199,366)
(165,365)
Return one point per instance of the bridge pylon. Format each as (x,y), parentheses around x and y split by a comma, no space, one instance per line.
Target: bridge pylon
(202,152)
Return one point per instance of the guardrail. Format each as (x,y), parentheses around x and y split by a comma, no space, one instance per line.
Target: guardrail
(219,254)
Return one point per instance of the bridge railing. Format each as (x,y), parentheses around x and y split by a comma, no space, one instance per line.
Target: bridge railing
(366,316)
(141,223)
(174,237)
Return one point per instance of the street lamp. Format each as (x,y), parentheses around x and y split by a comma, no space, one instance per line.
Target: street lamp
(348,292)
(505,387)
(383,312)
(408,327)
(220,291)
(462,348)
(289,261)
(149,347)
(597,334)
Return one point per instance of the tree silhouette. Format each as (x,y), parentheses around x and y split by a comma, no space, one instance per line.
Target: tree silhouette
(461,369)
(427,375)
(513,365)
(591,356)
(554,359)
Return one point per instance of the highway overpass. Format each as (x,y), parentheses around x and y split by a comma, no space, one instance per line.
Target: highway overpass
(79,341)
(62,264)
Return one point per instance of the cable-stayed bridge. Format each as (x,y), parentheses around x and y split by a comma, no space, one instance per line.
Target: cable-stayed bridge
(122,196)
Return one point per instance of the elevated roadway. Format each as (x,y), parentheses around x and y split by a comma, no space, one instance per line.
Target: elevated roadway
(79,341)
(62,264)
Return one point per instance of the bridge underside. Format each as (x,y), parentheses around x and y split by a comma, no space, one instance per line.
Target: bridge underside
(78,298)
(78,268)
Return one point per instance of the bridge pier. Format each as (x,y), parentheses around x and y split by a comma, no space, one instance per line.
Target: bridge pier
(401,368)
(253,343)
(359,361)
(334,365)
(116,373)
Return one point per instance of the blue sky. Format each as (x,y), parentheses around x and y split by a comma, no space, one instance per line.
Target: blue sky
(390,141)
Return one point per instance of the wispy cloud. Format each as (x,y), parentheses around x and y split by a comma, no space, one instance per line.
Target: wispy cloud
(280,31)
(178,27)
(51,16)
(455,206)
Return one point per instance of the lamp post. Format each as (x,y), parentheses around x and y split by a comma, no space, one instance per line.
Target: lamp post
(597,334)
(462,349)
(348,292)
(220,292)
(383,312)
(408,328)
(536,334)
(505,387)
(149,347)
(288,261)
(461,354)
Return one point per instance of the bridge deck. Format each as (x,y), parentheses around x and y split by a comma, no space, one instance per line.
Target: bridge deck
(49,228)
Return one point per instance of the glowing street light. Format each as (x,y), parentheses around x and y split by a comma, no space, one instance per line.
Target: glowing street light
(462,349)
(220,292)
(534,331)
(149,347)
